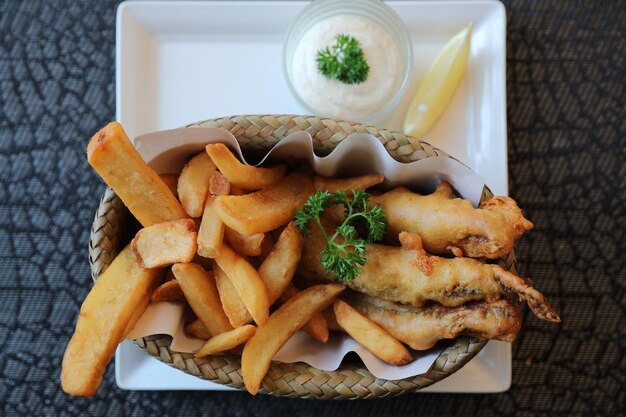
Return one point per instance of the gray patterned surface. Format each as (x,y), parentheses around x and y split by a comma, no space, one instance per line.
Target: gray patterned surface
(567,154)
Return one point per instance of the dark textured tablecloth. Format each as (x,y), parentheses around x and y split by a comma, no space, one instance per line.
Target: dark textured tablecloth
(567,154)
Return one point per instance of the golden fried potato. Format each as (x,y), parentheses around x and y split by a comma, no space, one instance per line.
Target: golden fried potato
(316,326)
(115,159)
(245,245)
(109,312)
(246,281)
(211,231)
(197,329)
(362,182)
(226,341)
(168,291)
(267,209)
(281,325)
(193,184)
(280,264)
(241,175)
(171,180)
(234,307)
(370,335)
(165,243)
(199,288)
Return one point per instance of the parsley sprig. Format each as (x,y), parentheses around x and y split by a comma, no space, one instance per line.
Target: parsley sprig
(344,253)
(343,61)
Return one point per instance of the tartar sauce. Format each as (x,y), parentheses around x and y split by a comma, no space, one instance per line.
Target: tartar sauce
(333,98)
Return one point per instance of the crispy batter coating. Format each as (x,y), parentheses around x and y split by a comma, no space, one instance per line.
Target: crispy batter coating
(409,275)
(453,225)
(422,328)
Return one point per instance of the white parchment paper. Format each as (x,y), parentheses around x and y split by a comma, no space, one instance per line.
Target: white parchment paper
(167,152)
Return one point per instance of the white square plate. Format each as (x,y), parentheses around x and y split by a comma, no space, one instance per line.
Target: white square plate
(180,62)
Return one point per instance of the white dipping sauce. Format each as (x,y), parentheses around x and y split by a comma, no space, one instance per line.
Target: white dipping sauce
(337,99)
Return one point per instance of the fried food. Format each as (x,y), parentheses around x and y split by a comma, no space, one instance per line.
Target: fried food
(245,245)
(115,159)
(422,328)
(171,180)
(193,184)
(362,182)
(267,209)
(225,341)
(453,225)
(197,329)
(211,230)
(242,175)
(410,276)
(234,307)
(370,335)
(199,288)
(168,291)
(281,325)
(316,326)
(165,243)
(247,282)
(109,312)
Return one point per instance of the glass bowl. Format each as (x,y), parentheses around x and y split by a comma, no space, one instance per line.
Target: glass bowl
(376,11)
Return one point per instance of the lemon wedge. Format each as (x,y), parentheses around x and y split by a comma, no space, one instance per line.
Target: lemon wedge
(438,85)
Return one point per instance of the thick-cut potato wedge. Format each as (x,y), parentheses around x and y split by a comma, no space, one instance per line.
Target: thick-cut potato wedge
(171,180)
(168,291)
(193,184)
(264,210)
(199,288)
(211,232)
(109,312)
(267,246)
(331,320)
(234,190)
(246,281)
(234,308)
(370,335)
(316,326)
(241,175)
(362,182)
(197,329)
(165,243)
(115,159)
(245,245)
(280,264)
(219,184)
(282,324)
(226,341)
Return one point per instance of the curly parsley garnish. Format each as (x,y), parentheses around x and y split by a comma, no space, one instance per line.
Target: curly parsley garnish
(343,61)
(344,253)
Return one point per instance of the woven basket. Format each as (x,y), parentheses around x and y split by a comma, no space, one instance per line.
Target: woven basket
(297,380)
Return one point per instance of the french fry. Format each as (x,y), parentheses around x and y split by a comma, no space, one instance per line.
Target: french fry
(234,190)
(234,308)
(168,291)
(245,245)
(316,326)
(241,175)
(362,182)
(278,268)
(331,320)
(267,246)
(370,335)
(115,159)
(193,184)
(199,288)
(211,232)
(281,325)
(197,329)
(171,180)
(264,210)
(246,281)
(226,341)
(109,312)
(165,243)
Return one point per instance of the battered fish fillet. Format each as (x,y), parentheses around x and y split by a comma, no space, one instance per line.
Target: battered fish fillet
(409,275)
(453,225)
(422,328)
